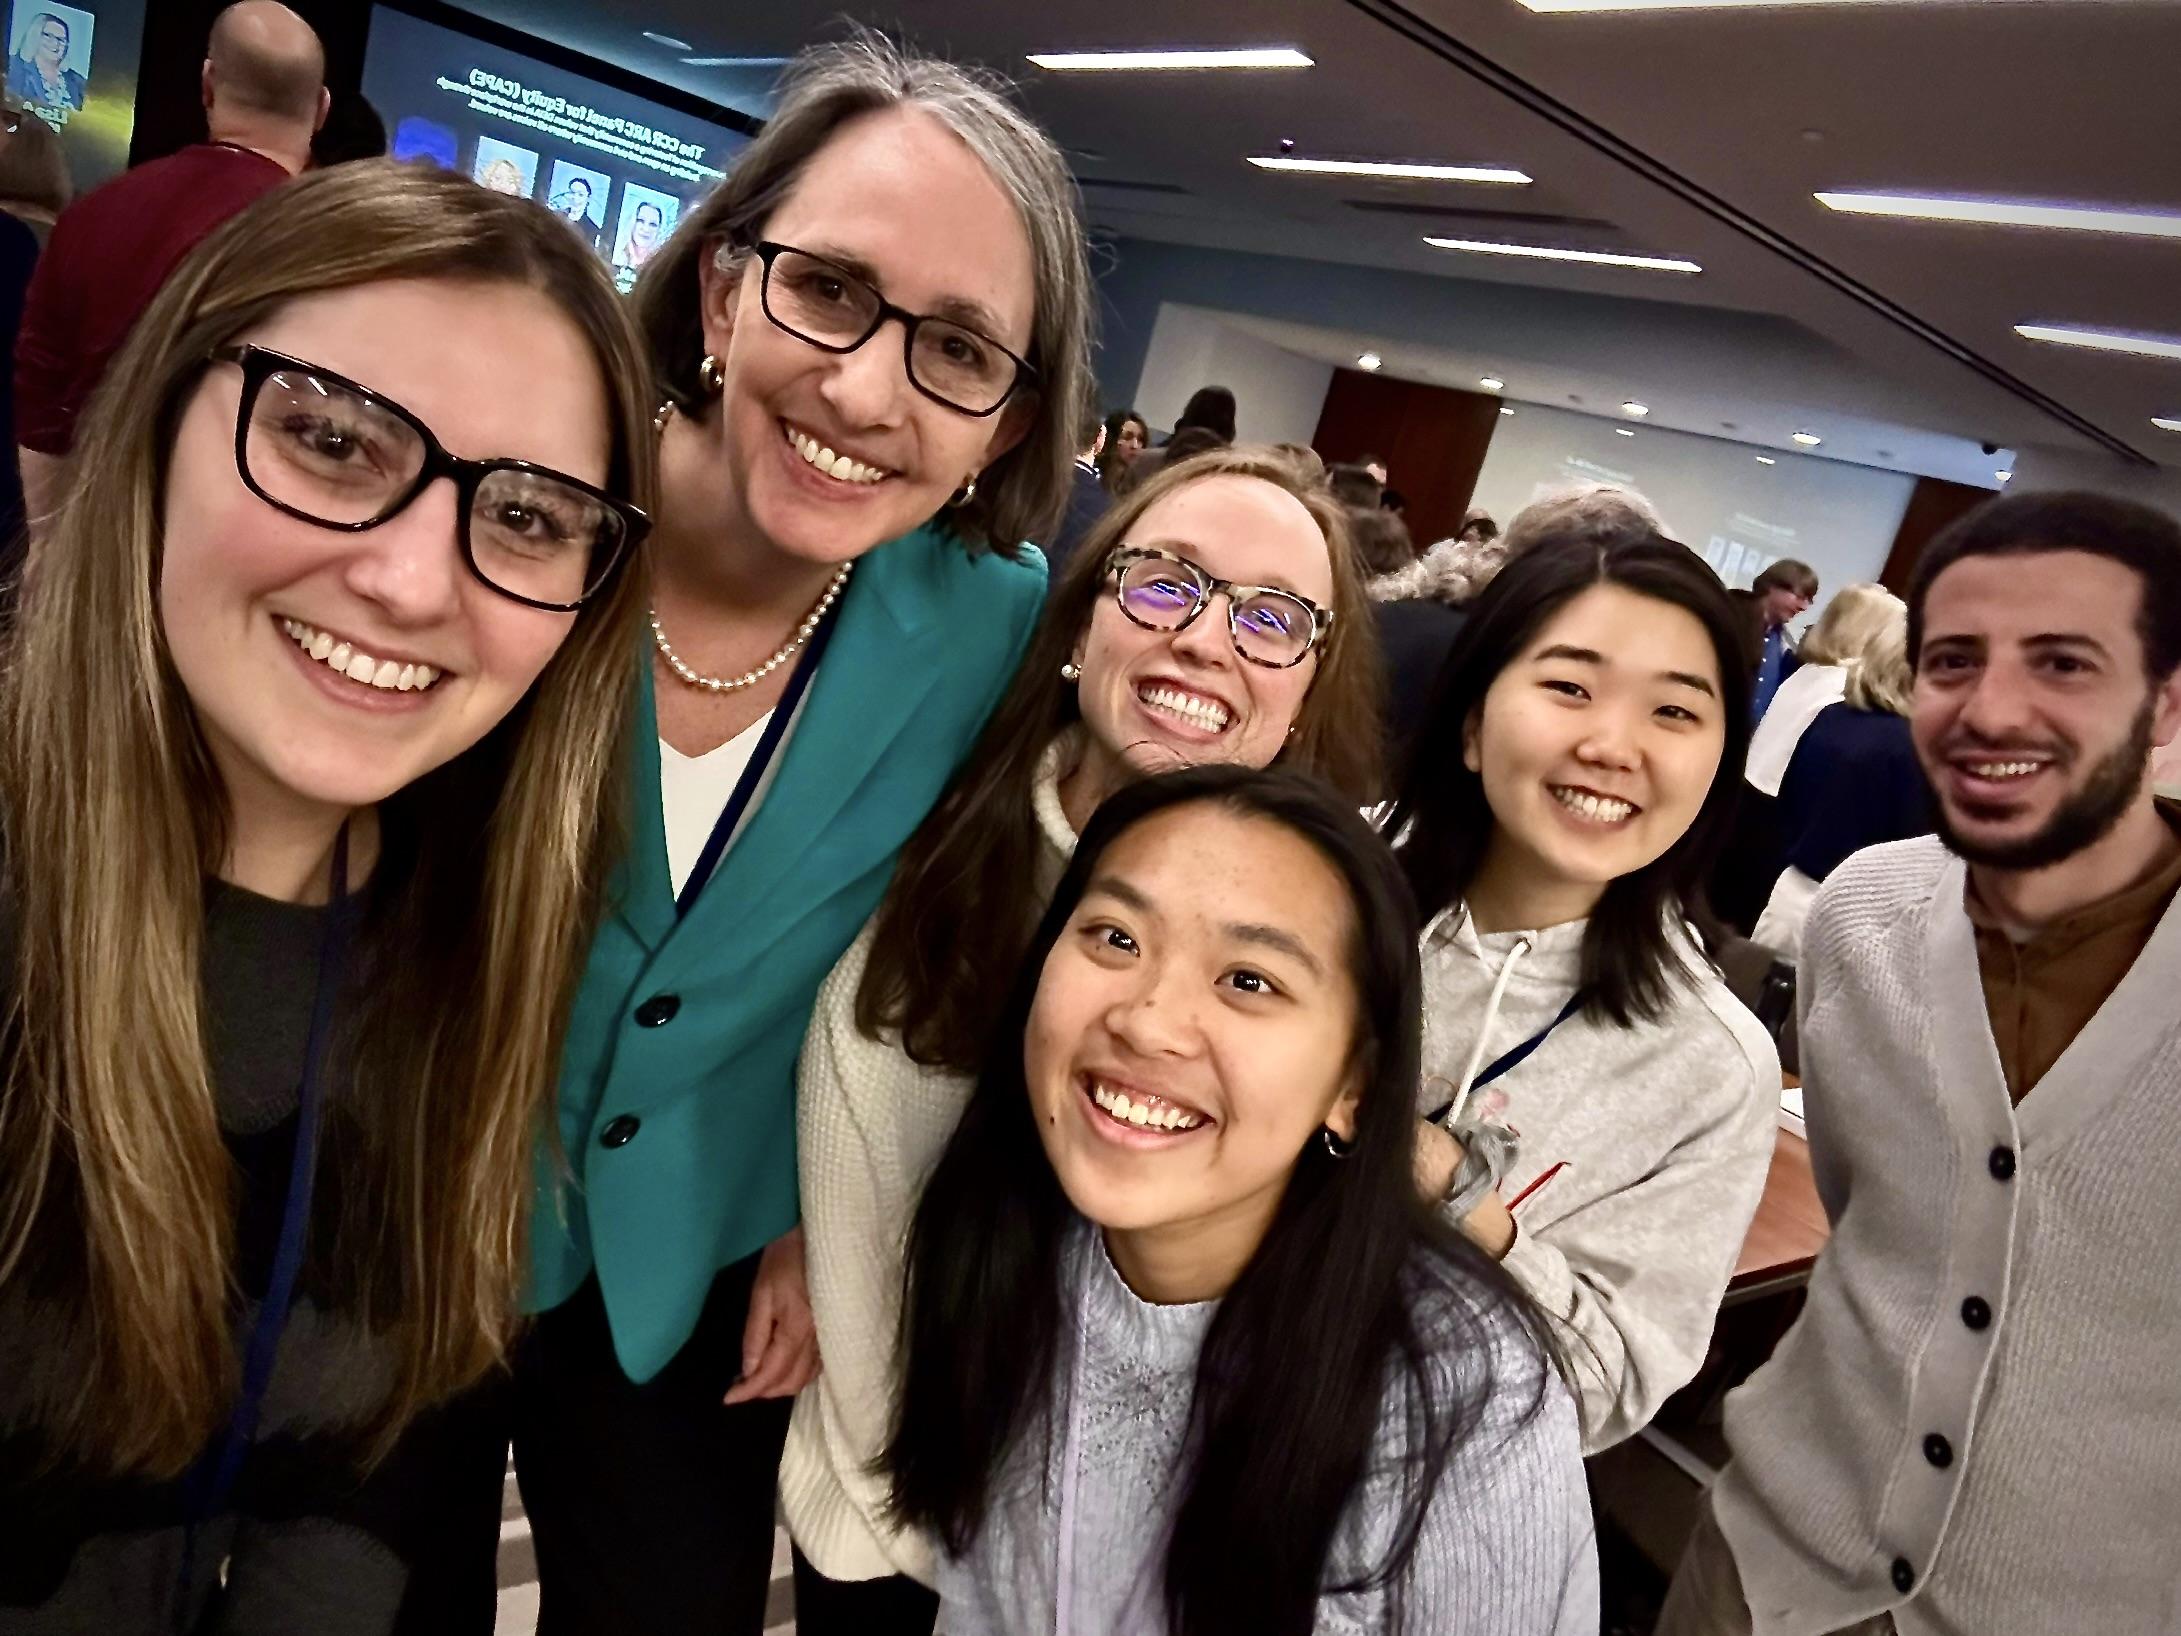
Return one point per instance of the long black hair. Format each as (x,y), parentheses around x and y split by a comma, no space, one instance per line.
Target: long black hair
(1444,823)
(1358,1290)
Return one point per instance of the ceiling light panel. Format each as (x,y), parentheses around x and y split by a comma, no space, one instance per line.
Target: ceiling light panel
(1491,383)
(1503,409)
(1634,409)
(1091,62)
(1368,360)
(2151,224)
(1625,431)
(1766,460)
(1542,252)
(2167,423)
(2068,335)
(1809,440)
(1400,170)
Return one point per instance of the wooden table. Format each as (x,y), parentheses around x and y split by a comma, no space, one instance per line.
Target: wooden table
(1788,1230)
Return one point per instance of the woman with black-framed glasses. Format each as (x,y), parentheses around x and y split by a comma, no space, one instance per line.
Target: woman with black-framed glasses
(318,700)
(872,340)
(1203,621)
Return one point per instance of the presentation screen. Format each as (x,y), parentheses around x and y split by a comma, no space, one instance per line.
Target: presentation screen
(75,68)
(620,168)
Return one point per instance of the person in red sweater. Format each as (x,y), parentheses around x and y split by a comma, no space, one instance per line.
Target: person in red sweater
(264,97)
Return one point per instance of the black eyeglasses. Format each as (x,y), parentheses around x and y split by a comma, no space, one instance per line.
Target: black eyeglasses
(1164,592)
(817,301)
(321,448)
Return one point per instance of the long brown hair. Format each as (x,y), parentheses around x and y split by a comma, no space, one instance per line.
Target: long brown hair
(1023,493)
(117,1193)
(965,899)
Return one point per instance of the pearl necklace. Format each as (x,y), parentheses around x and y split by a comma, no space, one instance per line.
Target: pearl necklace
(750,678)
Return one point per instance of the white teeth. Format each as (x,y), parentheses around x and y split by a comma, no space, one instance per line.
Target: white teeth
(388,675)
(1141,1114)
(840,467)
(2003,769)
(1208,714)
(1599,809)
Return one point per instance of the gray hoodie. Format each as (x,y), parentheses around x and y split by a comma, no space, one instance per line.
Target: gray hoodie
(1643,1151)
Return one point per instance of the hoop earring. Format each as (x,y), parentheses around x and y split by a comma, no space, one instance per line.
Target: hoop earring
(963,495)
(1071,672)
(1333,1144)
(712,375)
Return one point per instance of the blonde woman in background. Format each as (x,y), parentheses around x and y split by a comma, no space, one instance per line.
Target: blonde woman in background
(310,752)
(34,189)
(1856,618)
(1853,780)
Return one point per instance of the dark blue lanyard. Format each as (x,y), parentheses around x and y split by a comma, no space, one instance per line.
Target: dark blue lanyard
(768,745)
(1508,1061)
(213,1480)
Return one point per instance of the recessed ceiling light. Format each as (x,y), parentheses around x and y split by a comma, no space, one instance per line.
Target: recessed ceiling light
(1368,360)
(1809,440)
(2148,346)
(1503,409)
(2167,423)
(1076,62)
(2156,224)
(1766,460)
(1675,5)
(1625,431)
(1542,252)
(1382,167)
(1491,383)
(2004,476)
(1632,407)
(737,62)
(668,41)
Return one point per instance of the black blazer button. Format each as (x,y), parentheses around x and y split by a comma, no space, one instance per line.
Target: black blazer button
(2002,1162)
(1976,1312)
(1904,1577)
(1938,1451)
(620,1132)
(658,1011)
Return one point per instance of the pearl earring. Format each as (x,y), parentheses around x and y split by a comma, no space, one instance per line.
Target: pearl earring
(1071,672)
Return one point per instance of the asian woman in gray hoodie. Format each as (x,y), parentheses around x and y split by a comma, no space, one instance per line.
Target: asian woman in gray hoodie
(1611,1104)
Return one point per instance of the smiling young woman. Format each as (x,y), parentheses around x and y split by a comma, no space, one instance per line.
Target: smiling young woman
(1567,800)
(1185,1349)
(1204,620)
(872,339)
(315,715)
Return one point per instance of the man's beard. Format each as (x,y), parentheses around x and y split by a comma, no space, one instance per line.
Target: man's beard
(2085,816)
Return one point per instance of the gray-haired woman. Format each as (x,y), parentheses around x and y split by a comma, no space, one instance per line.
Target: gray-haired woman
(872,338)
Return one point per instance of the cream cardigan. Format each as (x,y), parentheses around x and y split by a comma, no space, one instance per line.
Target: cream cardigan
(871,1123)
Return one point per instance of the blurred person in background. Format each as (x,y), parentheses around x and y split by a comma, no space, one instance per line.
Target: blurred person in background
(1212,409)
(1089,499)
(1852,781)
(1782,592)
(1128,434)
(264,98)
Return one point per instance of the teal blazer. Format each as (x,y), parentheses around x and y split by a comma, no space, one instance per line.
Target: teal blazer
(680,1133)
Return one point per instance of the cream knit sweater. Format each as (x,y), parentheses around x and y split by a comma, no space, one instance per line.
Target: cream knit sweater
(870,1125)
(1975,1425)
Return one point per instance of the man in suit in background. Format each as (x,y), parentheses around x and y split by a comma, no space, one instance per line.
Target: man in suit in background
(1088,500)
(1783,591)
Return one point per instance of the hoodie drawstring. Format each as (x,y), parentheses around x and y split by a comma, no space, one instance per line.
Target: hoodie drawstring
(1523,945)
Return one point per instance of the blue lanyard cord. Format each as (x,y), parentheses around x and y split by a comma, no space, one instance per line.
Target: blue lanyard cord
(1508,1061)
(768,745)
(210,1484)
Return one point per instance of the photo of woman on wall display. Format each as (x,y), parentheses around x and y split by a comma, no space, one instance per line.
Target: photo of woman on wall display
(52,58)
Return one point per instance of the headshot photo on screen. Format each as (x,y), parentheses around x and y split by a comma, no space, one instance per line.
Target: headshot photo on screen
(579,194)
(647,218)
(505,168)
(50,62)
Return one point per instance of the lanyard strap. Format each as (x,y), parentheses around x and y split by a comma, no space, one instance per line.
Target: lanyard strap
(215,1476)
(768,745)
(1508,1061)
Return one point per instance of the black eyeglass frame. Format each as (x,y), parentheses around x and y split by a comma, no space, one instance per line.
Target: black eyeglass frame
(770,250)
(1209,585)
(259,365)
